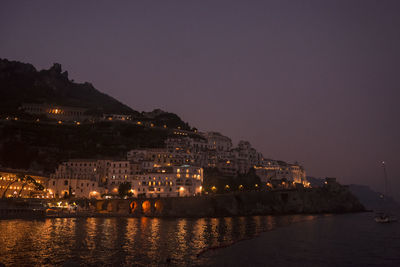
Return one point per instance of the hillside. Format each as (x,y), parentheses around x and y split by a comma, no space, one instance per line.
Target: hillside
(369,198)
(22,83)
(40,145)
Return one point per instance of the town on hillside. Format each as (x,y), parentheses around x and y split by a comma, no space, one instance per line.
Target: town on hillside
(187,165)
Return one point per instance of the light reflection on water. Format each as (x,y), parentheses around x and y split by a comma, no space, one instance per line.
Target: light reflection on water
(126,241)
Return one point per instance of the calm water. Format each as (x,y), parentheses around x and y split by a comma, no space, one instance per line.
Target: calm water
(326,240)
(331,241)
(126,241)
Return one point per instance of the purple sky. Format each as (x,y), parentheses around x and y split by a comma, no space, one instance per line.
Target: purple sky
(312,81)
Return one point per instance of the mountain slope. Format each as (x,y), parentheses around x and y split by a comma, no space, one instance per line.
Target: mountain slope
(20,82)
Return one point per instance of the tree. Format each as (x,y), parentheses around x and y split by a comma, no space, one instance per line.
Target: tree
(124,189)
(249,181)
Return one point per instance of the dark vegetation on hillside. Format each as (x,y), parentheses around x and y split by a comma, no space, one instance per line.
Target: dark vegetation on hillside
(215,182)
(42,147)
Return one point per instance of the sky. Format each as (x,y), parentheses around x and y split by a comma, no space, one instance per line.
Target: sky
(316,82)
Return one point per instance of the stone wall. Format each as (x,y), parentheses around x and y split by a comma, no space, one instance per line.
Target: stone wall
(316,200)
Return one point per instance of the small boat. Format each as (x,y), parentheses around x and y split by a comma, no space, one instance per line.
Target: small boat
(384,216)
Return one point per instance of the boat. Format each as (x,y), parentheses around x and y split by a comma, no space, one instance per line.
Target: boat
(384,216)
(21,208)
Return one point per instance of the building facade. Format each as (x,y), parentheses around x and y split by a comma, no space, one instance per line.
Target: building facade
(57,112)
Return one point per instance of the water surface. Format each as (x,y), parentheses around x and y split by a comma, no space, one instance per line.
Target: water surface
(127,241)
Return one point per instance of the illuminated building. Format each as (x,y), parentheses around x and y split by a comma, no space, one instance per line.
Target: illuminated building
(79,188)
(17,188)
(176,181)
(60,113)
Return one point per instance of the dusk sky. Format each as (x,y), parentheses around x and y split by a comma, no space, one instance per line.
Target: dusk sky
(310,81)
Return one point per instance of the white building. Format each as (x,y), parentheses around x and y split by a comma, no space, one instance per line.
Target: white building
(119,172)
(173,181)
(217,141)
(281,171)
(79,188)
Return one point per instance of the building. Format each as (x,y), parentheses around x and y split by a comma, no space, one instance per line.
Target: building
(117,173)
(86,169)
(57,112)
(11,186)
(176,181)
(280,171)
(217,141)
(79,188)
(117,117)
(105,173)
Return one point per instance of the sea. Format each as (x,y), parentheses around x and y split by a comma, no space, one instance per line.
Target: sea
(289,240)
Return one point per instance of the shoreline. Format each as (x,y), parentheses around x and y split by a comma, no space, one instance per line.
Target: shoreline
(289,202)
(108,215)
